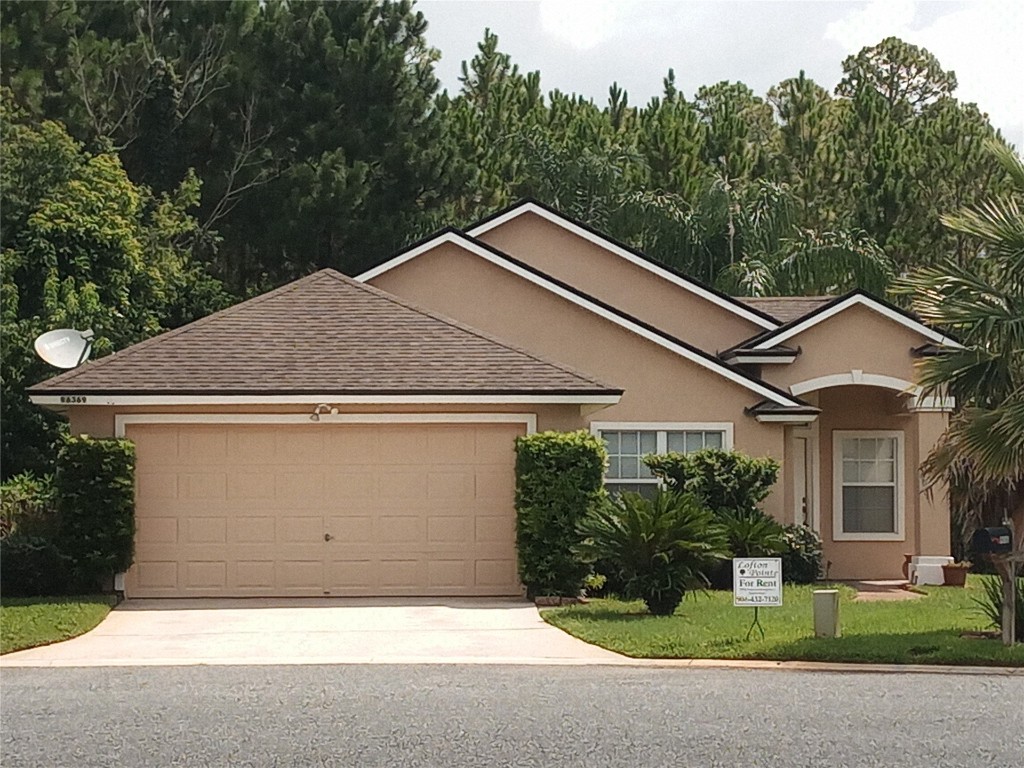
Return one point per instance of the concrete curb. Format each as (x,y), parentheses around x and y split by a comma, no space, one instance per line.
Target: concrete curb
(553,661)
(836,667)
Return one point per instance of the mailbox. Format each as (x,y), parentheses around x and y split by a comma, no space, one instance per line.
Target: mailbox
(992,541)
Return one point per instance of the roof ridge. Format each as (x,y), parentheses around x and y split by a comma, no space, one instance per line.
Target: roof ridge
(462,326)
(181,329)
(792,297)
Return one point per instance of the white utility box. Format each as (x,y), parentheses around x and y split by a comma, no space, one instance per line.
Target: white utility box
(927,569)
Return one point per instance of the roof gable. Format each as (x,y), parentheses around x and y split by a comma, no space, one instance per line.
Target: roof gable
(578,228)
(832,308)
(595,306)
(321,335)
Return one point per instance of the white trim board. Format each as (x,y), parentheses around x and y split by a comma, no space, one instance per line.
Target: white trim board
(761,359)
(725,427)
(602,242)
(775,339)
(786,418)
(918,401)
(106,400)
(854,377)
(478,250)
(122,421)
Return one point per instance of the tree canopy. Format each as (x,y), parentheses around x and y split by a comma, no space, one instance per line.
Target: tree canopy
(156,150)
(84,247)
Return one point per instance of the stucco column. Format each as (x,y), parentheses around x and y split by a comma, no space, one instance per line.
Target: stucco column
(933,521)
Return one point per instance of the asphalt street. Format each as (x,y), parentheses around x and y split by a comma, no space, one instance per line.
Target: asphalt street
(377,715)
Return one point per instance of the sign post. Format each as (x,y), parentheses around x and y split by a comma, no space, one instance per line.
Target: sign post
(756,583)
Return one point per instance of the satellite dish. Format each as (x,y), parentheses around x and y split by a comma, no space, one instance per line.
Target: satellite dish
(64,347)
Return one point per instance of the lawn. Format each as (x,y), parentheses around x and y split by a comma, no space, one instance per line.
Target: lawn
(923,631)
(26,622)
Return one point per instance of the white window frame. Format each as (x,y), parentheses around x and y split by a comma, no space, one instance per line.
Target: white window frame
(838,534)
(661,430)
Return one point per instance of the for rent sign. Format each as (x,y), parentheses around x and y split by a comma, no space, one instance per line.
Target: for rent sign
(756,581)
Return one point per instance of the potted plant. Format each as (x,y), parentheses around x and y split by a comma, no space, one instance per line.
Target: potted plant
(955,574)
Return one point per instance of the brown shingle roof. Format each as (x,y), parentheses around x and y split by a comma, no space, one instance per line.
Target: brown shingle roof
(785,309)
(323,334)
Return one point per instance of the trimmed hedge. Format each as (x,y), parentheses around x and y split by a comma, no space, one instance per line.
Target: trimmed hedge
(559,481)
(732,485)
(31,566)
(95,484)
(28,506)
(726,481)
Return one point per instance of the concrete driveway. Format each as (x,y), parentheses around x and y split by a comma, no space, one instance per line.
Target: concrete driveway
(318,631)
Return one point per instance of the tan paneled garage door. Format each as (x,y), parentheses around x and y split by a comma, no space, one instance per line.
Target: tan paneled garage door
(324,509)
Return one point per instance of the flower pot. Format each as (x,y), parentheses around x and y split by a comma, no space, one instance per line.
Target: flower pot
(954,576)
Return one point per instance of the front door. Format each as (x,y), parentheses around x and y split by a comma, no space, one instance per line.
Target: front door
(803,502)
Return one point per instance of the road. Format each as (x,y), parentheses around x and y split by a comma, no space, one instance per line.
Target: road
(377,715)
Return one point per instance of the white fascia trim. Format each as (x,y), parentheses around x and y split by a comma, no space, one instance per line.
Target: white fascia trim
(669,426)
(784,418)
(924,330)
(837,487)
(720,368)
(632,258)
(122,421)
(763,360)
(387,266)
(89,399)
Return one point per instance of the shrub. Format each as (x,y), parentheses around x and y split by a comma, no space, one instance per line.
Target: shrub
(990,604)
(28,506)
(731,484)
(659,548)
(724,481)
(31,566)
(559,480)
(750,534)
(95,484)
(801,556)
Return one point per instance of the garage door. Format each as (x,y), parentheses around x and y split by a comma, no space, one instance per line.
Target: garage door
(324,509)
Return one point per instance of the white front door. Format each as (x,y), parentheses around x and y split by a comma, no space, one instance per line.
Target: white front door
(803,450)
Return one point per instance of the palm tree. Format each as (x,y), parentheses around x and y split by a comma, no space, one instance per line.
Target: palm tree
(746,237)
(982,304)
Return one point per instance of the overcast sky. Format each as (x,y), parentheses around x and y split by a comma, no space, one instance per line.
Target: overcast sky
(583,46)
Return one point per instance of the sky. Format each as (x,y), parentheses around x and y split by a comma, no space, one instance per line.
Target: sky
(583,46)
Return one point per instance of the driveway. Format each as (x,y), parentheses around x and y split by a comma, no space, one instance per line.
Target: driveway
(318,631)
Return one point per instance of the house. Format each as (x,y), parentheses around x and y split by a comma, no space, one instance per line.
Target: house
(343,436)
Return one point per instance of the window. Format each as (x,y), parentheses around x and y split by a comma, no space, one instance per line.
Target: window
(868,480)
(627,444)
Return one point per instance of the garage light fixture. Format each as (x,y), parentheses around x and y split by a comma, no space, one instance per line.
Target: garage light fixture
(322,408)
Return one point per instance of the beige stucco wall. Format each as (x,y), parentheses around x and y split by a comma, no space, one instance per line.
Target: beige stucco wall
(628,287)
(855,339)
(926,520)
(660,386)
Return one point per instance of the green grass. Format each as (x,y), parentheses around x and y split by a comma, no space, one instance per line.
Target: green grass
(26,622)
(707,626)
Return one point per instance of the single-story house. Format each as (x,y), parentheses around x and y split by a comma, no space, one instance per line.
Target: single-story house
(342,436)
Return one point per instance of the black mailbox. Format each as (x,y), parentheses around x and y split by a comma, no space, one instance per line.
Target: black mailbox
(992,541)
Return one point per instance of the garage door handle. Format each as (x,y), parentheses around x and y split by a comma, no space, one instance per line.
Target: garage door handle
(327,537)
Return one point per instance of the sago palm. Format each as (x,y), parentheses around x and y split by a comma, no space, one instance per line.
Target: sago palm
(659,548)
